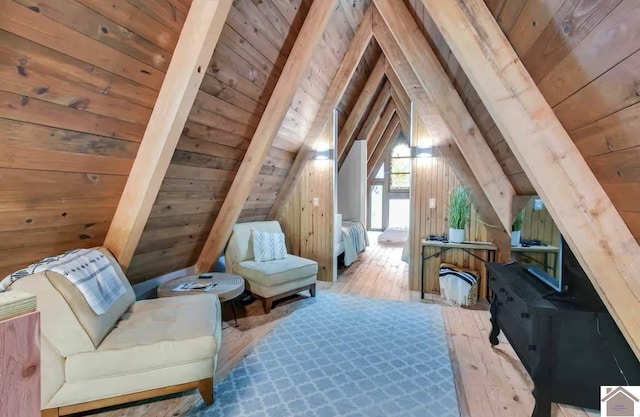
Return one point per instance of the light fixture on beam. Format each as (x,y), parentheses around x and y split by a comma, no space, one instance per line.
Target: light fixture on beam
(422,151)
(322,155)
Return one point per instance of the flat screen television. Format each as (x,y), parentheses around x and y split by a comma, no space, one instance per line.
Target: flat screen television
(571,282)
(555,282)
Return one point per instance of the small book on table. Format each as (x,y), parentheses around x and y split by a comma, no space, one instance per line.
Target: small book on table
(194,286)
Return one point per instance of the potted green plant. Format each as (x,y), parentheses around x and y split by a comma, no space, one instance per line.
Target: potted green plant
(516,227)
(458,214)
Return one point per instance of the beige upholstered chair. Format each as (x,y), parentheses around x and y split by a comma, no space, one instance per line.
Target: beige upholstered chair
(135,350)
(270,280)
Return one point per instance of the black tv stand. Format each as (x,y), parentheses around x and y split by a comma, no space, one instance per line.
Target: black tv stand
(563,297)
(567,342)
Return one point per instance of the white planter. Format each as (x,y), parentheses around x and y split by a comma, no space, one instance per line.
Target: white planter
(515,238)
(456,235)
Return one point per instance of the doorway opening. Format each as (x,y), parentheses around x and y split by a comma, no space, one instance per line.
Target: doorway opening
(389,204)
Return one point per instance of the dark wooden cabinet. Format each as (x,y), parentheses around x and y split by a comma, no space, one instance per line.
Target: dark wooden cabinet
(568,342)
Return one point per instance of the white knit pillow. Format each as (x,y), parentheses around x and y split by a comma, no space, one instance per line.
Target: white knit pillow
(268,246)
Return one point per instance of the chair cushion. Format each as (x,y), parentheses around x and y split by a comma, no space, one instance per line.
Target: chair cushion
(276,272)
(240,246)
(268,246)
(96,326)
(153,334)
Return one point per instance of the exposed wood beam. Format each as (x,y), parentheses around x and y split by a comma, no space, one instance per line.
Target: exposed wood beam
(374,115)
(401,98)
(402,78)
(575,199)
(442,139)
(390,133)
(403,106)
(395,18)
(397,90)
(359,111)
(193,51)
(403,114)
(274,113)
(381,126)
(339,84)
(495,230)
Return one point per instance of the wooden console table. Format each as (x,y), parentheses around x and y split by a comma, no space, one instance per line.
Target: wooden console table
(471,248)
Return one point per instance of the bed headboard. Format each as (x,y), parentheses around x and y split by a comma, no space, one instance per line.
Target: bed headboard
(337,229)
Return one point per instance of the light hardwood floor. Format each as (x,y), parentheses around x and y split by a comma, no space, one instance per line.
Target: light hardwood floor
(491,382)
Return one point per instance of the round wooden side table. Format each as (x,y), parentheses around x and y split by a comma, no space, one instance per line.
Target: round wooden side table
(226,286)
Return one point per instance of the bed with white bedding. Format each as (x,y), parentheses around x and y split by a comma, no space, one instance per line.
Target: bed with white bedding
(350,238)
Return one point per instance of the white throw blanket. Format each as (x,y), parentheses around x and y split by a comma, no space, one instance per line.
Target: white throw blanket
(455,285)
(88,269)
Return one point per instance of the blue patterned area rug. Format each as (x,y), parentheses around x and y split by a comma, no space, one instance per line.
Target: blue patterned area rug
(344,356)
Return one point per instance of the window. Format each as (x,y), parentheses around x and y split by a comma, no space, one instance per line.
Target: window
(400,175)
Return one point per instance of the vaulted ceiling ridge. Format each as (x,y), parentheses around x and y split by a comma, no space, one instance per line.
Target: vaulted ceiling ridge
(403,78)
(396,31)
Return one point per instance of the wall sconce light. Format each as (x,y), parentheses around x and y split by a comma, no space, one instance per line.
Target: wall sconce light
(538,204)
(421,152)
(322,155)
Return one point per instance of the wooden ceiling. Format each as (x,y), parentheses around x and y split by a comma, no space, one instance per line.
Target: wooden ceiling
(79,79)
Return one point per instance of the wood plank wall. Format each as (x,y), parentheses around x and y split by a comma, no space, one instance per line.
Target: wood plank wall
(78,80)
(584,57)
(241,74)
(309,229)
(434,178)
(253,48)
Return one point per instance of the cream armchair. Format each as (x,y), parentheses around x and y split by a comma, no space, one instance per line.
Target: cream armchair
(270,280)
(135,350)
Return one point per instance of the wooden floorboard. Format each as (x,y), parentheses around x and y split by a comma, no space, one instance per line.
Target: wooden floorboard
(490,381)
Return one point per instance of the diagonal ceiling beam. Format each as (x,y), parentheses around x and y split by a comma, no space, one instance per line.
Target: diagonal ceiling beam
(374,114)
(396,18)
(398,68)
(403,114)
(274,113)
(575,199)
(390,133)
(339,84)
(193,51)
(401,98)
(397,90)
(359,111)
(403,79)
(381,126)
